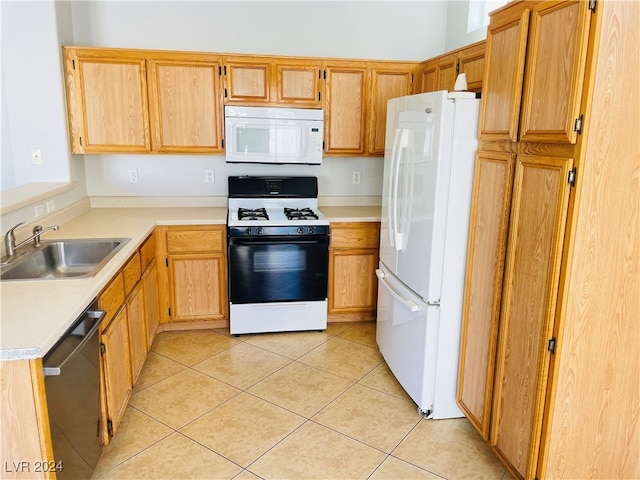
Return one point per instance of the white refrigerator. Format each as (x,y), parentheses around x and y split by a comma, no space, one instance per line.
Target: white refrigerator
(431,141)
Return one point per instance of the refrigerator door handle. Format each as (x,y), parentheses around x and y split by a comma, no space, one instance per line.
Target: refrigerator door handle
(411,305)
(392,205)
(400,141)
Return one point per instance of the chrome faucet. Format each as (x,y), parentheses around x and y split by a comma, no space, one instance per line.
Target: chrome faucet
(10,238)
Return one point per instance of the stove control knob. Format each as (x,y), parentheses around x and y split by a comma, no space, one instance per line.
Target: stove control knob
(300,230)
(310,230)
(260,230)
(248,230)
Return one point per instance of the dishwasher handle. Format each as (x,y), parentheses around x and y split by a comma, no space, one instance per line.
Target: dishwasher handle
(98,315)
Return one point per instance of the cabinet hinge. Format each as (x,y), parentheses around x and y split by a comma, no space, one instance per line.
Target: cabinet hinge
(80,140)
(225,69)
(592,5)
(102,349)
(323,145)
(318,96)
(412,78)
(324,75)
(166,262)
(223,143)
(319,74)
(577,126)
(458,67)
(551,346)
(110,427)
(571,178)
(73,63)
(225,92)
(169,310)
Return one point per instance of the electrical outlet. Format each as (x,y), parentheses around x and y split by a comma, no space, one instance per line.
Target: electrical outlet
(209,176)
(51,205)
(36,156)
(133,176)
(356,177)
(39,210)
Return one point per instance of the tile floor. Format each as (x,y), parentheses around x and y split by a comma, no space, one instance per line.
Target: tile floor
(283,406)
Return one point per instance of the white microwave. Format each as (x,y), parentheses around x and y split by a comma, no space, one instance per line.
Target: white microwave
(273,135)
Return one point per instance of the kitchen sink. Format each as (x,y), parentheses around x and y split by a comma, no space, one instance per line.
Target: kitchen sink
(58,259)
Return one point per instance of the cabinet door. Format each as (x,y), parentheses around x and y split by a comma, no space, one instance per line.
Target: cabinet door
(353,283)
(471,63)
(107,101)
(488,225)
(152,310)
(186,105)
(504,72)
(137,331)
(298,84)
(247,81)
(117,368)
(386,83)
(556,60)
(198,287)
(530,289)
(429,79)
(345,117)
(446,72)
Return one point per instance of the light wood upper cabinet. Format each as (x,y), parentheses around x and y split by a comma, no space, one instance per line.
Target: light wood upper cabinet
(504,73)
(107,100)
(265,80)
(543,105)
(556,59)
(440,73)
(299,83)
(386,82)
(346,102)
(185,103)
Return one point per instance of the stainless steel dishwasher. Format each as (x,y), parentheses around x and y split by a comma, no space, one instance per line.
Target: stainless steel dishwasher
(72,386)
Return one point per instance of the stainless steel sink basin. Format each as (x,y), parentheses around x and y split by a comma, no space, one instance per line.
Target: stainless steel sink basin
(63,259)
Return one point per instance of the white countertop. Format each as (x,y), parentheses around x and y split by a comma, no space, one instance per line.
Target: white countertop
(34,314)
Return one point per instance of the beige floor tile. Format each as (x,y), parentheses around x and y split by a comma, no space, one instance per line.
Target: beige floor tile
(290,344)
(300,388)
(182,398)
(243,428)
(336,328)
(377,419)
(242,365)
(381,378)
(314,451)
(342,357)
(156,368)
(395,469)
(450,448)
(175,457)
(193,346)
(246,475)
(137,432)
(363,333)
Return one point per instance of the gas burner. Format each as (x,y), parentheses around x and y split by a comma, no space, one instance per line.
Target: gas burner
(300,214)
(252,214)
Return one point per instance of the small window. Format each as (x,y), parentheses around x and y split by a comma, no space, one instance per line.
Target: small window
(479,12)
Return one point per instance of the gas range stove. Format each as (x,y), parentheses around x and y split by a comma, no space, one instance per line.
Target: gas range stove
(275,206)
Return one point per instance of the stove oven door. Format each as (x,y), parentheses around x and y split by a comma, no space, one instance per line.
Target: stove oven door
(278,269)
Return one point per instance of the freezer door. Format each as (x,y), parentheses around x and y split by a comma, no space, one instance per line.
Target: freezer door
(407,335)
(415,191)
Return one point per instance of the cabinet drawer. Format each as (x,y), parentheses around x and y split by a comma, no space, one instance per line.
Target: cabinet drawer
(355,235)
(147,252)
(183,241)
(131,273)
(111,298)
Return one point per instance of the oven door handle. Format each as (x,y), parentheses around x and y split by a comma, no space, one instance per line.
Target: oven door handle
(287,241)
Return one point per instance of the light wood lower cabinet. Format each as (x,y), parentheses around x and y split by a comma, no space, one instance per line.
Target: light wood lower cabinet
(193,285)
(353,258)
(152,311)
(137,324)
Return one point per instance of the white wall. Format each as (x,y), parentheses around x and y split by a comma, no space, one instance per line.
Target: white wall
(457,19)
(370,30)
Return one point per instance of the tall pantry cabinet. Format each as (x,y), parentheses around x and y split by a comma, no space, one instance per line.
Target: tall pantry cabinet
(550,320)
